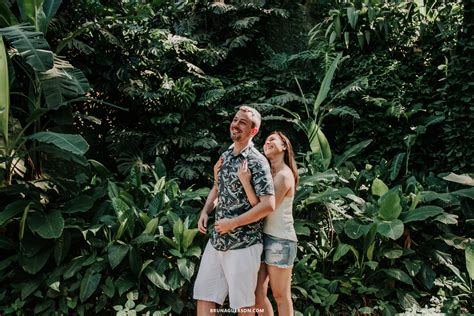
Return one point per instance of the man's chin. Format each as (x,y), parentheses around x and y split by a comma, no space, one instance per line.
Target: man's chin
(235,138)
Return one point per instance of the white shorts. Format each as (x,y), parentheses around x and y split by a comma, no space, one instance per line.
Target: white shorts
(231,272)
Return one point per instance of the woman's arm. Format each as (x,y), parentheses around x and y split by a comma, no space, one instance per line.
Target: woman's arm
(245,176)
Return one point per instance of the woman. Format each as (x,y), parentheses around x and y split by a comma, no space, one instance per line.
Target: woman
(279,241)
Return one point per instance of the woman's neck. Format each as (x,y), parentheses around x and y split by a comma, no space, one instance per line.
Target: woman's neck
(277,164)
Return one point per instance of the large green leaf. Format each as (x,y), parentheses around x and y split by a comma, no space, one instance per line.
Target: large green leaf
(49,225)
(31,45)
(155,278)
(341,250)
(75,144)
(319,143)
(427,276)
(469,252)
(399,275)
(35,263)
(11,210)
(459,178)
(56,153)
(396,165)
(32,12)
(116,254)
(4,92)
(354,229)
(7,17)
(186,268)
(379,188)
(421,213)
(89,284)
(391,229)
(81,203)
(28,288)
(50,7)
(326,84)
(351,152)
(61,83)
(61,247)
(467,193)
(389,203)
(188,237)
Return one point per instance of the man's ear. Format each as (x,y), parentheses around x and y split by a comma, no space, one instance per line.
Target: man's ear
(254,131)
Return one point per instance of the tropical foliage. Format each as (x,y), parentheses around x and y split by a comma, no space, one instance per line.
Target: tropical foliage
(113,112)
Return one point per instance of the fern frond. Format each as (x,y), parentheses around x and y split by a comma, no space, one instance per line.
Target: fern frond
(185,171)
(211,97)
(205,142)
(305,56)
(239,41)
(245,23)
(81,47)
(169,118)
(344,110)
(221,8)
(285,98)
(278,61)
(358,85)
(282,13)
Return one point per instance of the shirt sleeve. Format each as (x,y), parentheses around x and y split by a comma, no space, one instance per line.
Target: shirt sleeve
(261,177)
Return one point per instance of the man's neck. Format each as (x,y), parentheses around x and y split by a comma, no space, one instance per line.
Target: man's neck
(239,146)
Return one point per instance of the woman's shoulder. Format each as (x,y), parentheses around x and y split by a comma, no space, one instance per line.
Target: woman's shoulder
(286,172)
(285,176)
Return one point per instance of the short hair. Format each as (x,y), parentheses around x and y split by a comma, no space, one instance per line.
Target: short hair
(256,117)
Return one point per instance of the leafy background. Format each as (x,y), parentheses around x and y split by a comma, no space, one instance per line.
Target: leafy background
(112,114)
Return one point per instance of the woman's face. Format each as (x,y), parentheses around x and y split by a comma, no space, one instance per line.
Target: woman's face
(274,146)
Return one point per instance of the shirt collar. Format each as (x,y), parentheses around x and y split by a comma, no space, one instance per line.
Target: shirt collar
(245,151)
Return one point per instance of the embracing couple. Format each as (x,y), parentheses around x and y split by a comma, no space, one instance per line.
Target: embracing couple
(240,260)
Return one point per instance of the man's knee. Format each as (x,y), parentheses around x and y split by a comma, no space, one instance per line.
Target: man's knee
(205,308)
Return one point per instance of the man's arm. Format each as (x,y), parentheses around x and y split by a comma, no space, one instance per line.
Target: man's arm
(259,211)
(208,207)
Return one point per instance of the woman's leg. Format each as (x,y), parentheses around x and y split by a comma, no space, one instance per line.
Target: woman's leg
(261,299)
(280,282)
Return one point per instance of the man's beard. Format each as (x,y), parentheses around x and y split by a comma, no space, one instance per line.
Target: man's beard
(235,137)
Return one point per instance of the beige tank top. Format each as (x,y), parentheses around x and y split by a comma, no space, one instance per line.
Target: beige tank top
(280,222)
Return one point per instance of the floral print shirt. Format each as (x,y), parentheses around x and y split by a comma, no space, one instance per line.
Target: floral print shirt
(232,200)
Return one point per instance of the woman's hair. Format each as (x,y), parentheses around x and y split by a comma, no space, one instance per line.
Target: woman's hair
(289,157)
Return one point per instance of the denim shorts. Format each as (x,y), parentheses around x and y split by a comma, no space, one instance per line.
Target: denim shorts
(278,252)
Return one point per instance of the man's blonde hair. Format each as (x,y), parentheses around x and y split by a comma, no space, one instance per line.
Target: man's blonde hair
(256,117)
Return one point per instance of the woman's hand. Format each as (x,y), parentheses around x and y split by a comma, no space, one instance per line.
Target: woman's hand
(244,173)
(225,225)
(217,168)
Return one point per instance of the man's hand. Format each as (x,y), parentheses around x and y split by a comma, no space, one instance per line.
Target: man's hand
(202,222)
(225,225)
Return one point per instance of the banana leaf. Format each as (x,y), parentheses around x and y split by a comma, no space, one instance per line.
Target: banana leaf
(31,45)
(4,92)
(61,83)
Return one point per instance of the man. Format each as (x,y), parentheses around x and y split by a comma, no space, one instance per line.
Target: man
(230,263)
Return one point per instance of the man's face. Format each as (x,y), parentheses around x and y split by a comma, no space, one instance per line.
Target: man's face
(241,127)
